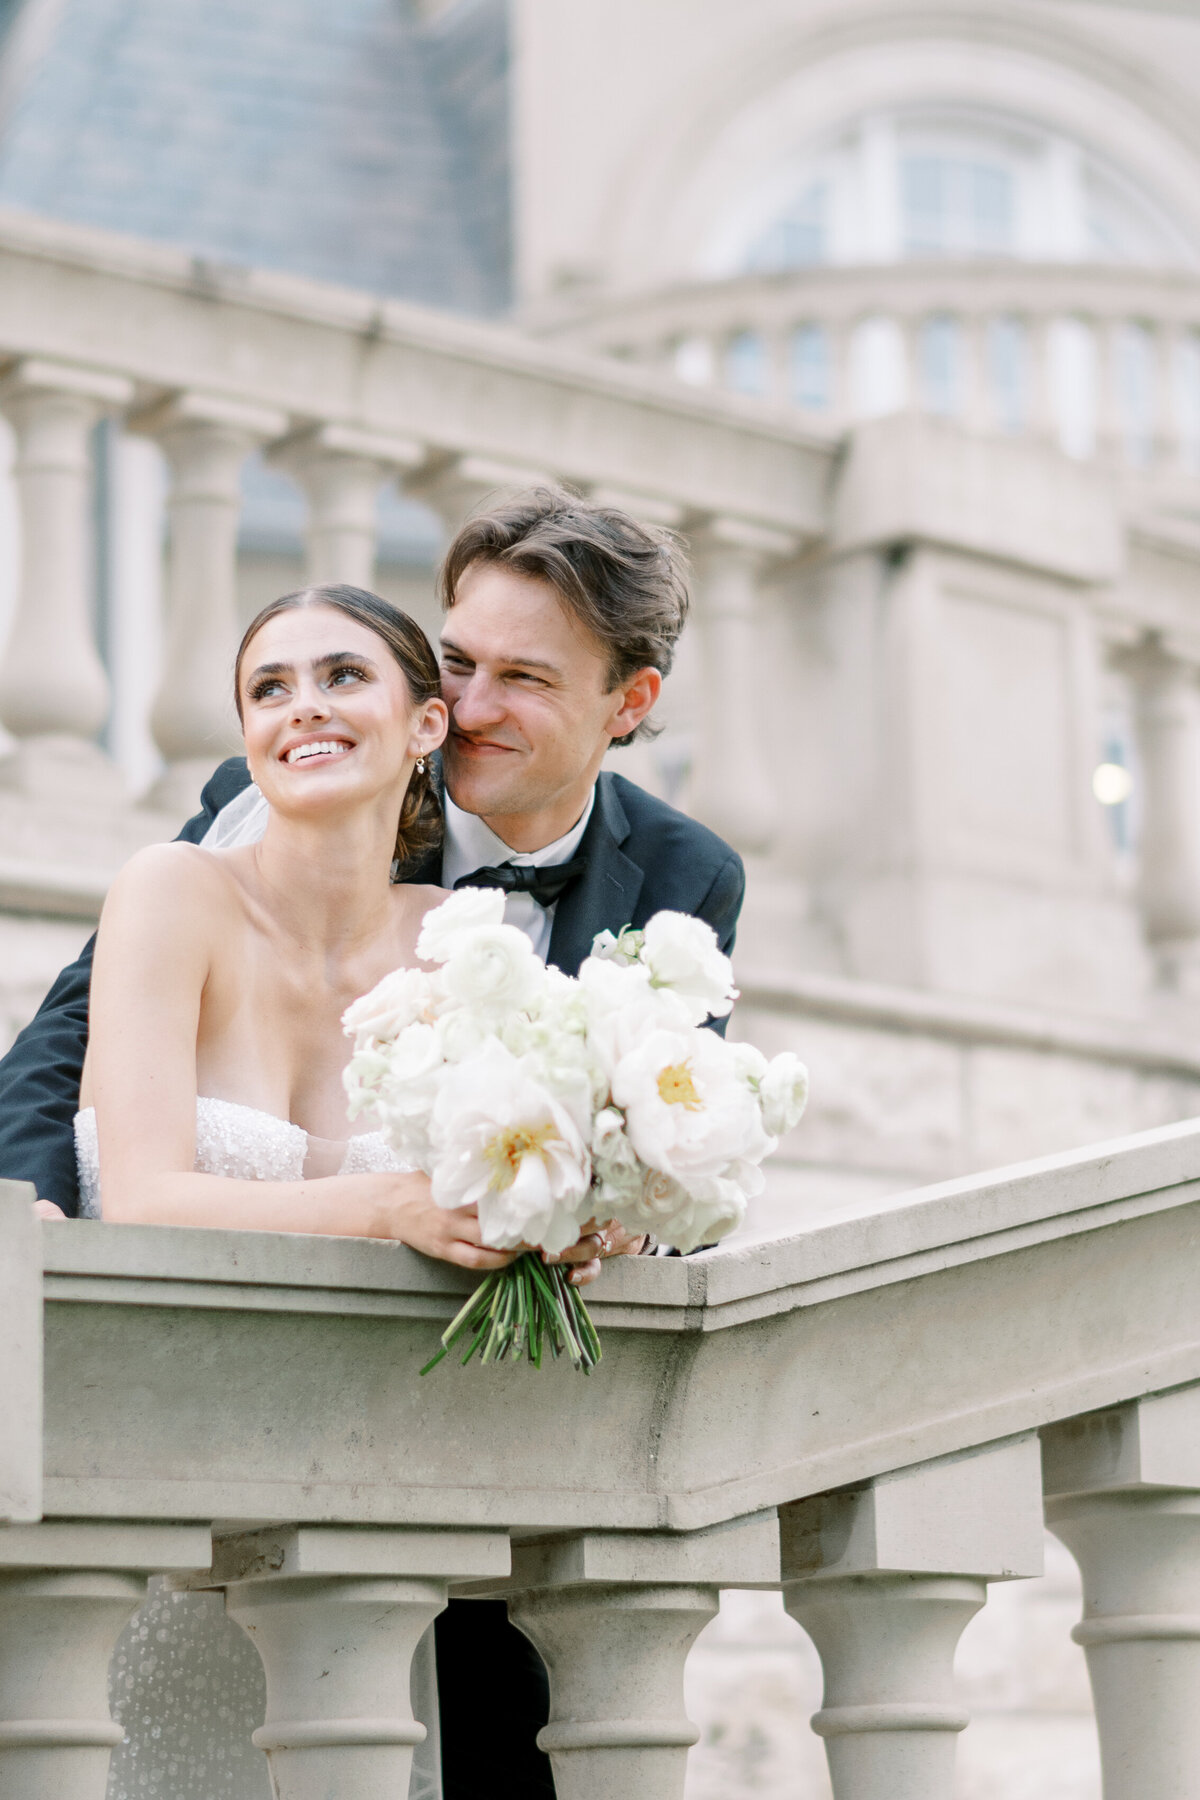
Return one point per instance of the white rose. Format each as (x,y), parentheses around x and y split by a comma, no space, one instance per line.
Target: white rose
(687,1110)
(702,1212)
(464,912)
(619,1175)
(682,954)
(783,1093)
(504,1143)
(493,967)
(398,1000)
(405,1097)
(623,1008)
(362,1078)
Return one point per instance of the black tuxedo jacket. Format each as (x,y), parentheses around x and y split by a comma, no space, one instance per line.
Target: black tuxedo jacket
(643,858)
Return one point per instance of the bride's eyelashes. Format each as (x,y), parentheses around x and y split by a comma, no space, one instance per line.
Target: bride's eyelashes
(262,686)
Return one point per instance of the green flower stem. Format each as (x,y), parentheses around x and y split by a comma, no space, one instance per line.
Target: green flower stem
(518,1311)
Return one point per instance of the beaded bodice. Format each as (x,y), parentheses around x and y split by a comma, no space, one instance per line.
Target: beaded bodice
(235,1141)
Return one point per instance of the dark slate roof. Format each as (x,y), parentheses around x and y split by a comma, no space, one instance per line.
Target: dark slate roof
(343,139)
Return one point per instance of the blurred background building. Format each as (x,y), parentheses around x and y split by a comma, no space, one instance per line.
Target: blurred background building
(893,310)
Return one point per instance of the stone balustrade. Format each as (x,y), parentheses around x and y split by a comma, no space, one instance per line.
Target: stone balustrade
(1103,361)
(873,1416)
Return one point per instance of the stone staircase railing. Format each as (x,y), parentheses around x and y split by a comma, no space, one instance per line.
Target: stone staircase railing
(874,1415)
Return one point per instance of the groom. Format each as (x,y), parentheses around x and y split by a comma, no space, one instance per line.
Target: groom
(561,622)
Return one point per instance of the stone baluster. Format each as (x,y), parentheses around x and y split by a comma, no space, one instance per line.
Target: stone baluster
(734,789)
(1113,422)
(884,1578)
(206,438)
(66,1591)
(614,1615)
(1168,725)
(1123,1494)
(1043,422)
(341,471)
(336,1614)
(54,692)
(457,486)
(977,411)
(1168,445)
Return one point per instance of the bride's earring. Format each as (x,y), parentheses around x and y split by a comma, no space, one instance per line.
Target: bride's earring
(420,765)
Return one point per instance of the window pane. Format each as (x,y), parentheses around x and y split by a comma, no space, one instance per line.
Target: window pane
(1008,373)
(955,206)
(798,238)
(1073,385)
(1134,349)
(810,375)
(939,362)
(746,363)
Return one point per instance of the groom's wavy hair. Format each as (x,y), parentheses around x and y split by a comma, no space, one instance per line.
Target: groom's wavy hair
(625,582)
(421,824)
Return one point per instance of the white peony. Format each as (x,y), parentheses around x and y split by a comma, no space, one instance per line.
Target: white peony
(494,968)
(400,999)
(504,1143)
(446,927)
(687,1109)
(783,1093)
(682,954)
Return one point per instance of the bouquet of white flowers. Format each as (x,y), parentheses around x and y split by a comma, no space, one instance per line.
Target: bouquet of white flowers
(552,1102)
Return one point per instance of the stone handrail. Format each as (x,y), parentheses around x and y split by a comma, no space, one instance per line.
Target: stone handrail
(1137,404)
(852,1414)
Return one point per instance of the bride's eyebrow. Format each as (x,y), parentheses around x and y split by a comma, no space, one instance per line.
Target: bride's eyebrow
(266,671)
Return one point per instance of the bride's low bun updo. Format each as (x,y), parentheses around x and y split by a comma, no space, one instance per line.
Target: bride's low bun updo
(421,825)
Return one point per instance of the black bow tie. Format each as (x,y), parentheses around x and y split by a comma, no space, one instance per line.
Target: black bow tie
(544,884)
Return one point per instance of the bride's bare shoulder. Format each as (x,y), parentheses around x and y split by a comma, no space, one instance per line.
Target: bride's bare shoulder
(172,879)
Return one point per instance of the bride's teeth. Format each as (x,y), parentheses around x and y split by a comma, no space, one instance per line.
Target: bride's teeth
(305,752)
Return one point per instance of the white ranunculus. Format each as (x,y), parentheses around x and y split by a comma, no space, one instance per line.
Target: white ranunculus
(400,999)
(506,1144)
(493,968)
(750,1062)
(687,1109)
(682,954)
(443,929)
(624,947)
(783,1093)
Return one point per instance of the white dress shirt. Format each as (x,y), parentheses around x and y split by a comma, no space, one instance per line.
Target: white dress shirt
(469,845)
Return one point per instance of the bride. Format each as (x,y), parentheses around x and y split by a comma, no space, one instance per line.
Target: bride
(212,1090)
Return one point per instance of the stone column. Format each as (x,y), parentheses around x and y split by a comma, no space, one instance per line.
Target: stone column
(457,486)
(734,788)
(1123,1494)
(884,1578)
(341,471)
(66,1591)
(614,1615)
(336,1614)
(1168,723)
(54,693)
(206,439)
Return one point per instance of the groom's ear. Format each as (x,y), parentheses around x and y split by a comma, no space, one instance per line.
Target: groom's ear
(634,699)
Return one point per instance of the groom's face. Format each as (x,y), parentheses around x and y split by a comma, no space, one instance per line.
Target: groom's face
(532,711)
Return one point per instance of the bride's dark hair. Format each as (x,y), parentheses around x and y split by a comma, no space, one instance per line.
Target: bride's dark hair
(420,826)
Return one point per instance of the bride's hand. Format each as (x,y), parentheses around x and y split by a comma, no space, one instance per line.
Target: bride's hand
(46,1209)
(451,1234)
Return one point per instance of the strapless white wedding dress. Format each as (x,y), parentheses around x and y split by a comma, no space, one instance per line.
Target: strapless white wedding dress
(184,1679)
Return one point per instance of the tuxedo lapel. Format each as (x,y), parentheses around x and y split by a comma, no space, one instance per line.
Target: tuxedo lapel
(606,893)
